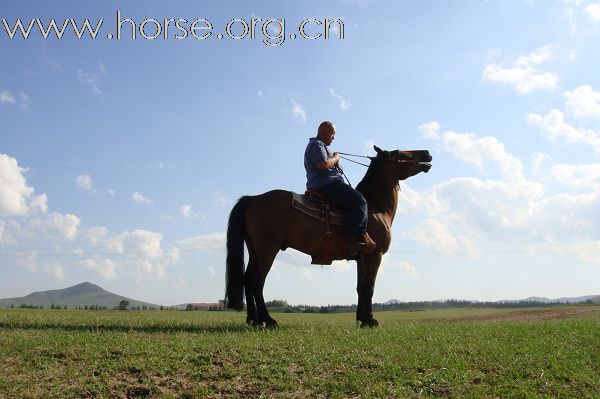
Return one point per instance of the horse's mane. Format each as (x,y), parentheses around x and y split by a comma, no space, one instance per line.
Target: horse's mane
(374,186)
(373,179)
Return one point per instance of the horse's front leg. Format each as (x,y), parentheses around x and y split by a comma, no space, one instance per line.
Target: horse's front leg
(366,275)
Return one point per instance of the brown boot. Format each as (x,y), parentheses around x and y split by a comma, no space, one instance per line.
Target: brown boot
(368,244)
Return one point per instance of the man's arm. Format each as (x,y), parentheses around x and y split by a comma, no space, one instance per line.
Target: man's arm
(329,162)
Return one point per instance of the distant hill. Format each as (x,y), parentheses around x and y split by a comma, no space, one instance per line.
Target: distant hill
(78,295)
(579,299)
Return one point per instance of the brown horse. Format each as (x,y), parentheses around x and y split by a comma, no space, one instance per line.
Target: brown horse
(267,224)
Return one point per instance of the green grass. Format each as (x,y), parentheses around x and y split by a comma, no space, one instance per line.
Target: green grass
(457,353)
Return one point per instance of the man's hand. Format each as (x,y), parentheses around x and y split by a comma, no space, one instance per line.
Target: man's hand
(330,162)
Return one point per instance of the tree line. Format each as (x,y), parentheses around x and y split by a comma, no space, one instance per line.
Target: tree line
(282,306)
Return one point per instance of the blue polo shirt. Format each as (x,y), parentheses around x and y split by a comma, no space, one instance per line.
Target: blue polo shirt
(317,152)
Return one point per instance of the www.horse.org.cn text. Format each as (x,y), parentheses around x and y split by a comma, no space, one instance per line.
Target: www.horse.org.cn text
(271,32)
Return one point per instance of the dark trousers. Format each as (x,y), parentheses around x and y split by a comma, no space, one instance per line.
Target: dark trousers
(352,201)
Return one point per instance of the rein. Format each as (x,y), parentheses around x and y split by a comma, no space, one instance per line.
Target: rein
(353,155)
(339,168)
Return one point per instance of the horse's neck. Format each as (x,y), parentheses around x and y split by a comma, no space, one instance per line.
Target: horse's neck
(381,196)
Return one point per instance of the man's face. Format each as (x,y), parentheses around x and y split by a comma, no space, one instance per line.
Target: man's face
(328,135)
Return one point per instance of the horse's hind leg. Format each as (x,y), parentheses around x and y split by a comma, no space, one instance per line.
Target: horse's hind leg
(250,277)
(265,261)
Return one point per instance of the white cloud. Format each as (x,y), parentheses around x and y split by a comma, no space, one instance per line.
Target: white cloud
(186,212)
(578,176)
(56,271)
(17,200)
(96,234)
(207,243)
(298,110)
(593,11)
(583,102)
(7,98)
(48,58)
(566,218)
(24,101)
(470,216)
(142,243)
(482,152)
(523,73)
(93,78)
(306,273)
(343,103)
(139,251)
(436,235)
(407,267)
(553,126)
(570,11)
(221,198)
(57,226)
(140,199)
(343,265)
(368,148)
(84,182)
(586,251)
(3,235)
(163,166)
(538,159)
(104,267)
(28,260)
(430,130)
(14,192)
(573,55)
(38,204)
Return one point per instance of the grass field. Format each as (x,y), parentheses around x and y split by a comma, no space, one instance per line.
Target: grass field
(462,353)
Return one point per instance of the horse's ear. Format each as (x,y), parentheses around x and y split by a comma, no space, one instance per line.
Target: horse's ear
(377,149)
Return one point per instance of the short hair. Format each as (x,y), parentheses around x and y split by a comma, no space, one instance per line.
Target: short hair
(324,125)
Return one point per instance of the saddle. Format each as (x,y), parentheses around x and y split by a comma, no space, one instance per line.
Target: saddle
(313,204)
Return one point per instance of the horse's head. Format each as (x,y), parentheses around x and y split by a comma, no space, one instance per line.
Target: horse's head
(403,164)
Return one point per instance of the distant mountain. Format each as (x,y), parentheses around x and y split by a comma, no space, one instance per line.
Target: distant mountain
(78,295)
(577,299)
(392,302)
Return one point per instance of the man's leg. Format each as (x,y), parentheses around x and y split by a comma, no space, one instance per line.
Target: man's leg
(354,203)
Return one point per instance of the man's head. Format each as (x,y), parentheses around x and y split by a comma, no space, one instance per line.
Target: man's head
(326,132)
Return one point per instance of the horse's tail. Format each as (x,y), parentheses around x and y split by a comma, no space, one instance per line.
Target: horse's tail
(234,275)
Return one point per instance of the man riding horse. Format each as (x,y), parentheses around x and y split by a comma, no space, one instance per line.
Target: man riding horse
(323,175)
(268,223)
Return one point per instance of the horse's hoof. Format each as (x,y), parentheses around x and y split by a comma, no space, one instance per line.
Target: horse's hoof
(369,323)
(271,324)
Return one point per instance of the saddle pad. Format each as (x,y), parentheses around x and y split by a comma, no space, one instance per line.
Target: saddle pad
(315,209)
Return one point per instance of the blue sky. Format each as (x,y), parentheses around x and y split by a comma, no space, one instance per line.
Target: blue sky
(120,160)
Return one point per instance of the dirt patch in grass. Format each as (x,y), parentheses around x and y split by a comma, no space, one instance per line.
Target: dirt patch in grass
(535,314)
